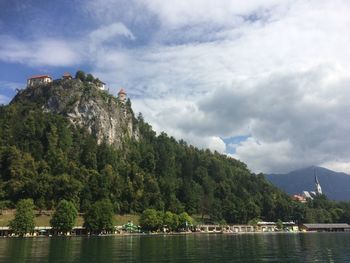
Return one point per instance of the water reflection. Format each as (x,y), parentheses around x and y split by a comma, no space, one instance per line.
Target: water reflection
(64,249)
(318,247)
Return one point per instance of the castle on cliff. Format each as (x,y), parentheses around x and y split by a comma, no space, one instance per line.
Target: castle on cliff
(46,79)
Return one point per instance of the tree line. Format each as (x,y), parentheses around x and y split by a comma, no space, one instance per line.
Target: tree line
(98,219)
(44,158)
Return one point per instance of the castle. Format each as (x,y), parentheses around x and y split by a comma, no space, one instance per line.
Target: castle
(46,79)
(38,80)
(122,95)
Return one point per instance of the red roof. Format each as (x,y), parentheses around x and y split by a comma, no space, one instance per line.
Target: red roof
(122,91)
(40,77)
(299,198)
(67,74)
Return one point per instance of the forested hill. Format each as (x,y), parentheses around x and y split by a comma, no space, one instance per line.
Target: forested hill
(53,148)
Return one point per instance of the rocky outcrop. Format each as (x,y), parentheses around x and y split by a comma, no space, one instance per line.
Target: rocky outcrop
(85,105)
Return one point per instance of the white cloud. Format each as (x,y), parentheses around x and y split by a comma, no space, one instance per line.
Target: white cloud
(111,31)
(282,77)
(205,70)
(267,156)
(338,166)
(47,52)
(183,12)
(170,114)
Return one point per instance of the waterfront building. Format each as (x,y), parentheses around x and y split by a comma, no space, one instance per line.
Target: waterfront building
(339,227)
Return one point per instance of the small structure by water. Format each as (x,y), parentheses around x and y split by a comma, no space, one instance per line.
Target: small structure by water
(44,231)
(340,227)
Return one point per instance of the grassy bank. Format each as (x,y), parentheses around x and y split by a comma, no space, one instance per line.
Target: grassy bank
(44,219)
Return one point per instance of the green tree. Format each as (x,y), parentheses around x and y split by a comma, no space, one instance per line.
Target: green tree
(99,217)
(254,222)
(185,221)
(23,222)
(64,217)
(150,220)
(80,75)
(17,170)
(89,77)
(171,220)
(279,224)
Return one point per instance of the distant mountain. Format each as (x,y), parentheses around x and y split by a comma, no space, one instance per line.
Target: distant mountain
(335,185)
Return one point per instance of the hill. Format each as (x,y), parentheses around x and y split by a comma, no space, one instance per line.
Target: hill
(84,105)
(68,139)
(335,186)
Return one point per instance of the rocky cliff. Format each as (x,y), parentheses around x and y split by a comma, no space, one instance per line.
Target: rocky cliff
(85,105)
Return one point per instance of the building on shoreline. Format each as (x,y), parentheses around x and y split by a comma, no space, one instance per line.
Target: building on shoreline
(261,227)
(337,227)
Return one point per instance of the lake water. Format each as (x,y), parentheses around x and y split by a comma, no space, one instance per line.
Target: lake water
(304,247)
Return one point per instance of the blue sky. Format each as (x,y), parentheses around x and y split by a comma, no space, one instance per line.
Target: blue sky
(266,82)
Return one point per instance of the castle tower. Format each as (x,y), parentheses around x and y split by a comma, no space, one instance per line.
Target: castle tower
(122,96)
(317,186)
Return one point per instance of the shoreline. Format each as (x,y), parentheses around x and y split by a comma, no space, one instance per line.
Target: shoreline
(178,234)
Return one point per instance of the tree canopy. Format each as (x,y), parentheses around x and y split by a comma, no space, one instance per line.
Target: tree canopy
(99,217)
(23,222)
(153,220)
(80,75)
(64,218)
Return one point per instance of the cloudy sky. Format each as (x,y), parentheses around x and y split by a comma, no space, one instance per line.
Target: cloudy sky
(265,81)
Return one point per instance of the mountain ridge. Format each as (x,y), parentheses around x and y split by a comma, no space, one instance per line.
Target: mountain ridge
(335,185)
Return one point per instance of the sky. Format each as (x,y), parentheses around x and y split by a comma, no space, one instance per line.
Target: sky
(263,81)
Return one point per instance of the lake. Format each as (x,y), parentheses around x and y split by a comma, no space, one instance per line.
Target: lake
(283,247)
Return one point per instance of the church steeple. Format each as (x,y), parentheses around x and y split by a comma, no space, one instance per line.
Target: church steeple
(317,186)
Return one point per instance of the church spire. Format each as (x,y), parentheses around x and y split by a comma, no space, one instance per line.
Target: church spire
(317,185)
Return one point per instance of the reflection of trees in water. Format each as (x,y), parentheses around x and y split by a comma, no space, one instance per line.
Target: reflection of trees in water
(276,247)
(64,249)
(21,249)
(109,249)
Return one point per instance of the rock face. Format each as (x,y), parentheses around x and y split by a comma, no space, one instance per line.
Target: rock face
(85,105)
